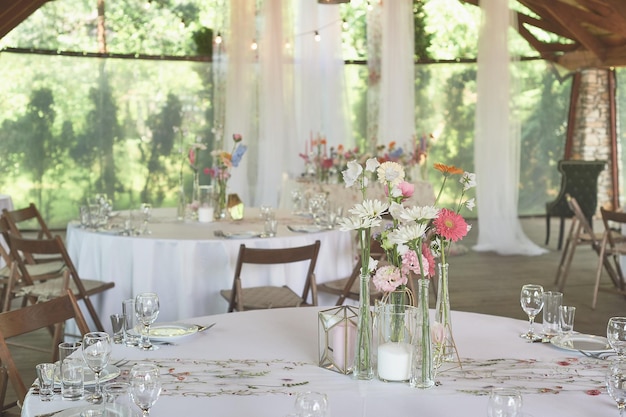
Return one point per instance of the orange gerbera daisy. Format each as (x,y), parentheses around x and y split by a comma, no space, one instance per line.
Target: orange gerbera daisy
(448,170)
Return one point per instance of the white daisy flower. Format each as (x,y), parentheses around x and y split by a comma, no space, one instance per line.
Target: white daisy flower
(419,213)
(369,209)
(390,172)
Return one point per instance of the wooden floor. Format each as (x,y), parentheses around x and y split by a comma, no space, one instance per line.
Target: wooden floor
(486,283)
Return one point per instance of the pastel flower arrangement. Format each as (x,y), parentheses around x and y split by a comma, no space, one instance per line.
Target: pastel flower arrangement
(222,164)
(416,235)
(324,163)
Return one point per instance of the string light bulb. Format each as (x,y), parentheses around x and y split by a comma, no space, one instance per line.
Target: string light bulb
(344,24)
(317,36)
(254,46)
(218,38)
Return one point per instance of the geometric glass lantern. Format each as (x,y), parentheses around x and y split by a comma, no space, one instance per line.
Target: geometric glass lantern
(336,337)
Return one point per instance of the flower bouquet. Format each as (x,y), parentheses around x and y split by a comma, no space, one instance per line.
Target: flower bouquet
(220,172)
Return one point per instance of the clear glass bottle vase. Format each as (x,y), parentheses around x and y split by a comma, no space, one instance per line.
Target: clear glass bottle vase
(445,349)
(363,366)
(422,372)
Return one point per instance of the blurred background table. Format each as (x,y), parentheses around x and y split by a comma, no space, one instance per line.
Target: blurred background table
(187,265)
(340,196)
(254,363)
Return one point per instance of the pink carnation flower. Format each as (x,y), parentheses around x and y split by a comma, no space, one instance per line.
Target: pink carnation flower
(407,189)
(388,278)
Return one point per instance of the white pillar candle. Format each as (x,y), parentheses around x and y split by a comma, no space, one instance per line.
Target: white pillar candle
(205,214)
(394,361)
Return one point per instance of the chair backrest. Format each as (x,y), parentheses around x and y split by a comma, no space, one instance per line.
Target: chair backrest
(34,317)
(608,217)
(4,230)
(579,180)
(31,215)
(54,246)
(280,256)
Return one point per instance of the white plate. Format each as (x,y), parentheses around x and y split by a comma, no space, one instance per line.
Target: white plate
(172,331)
(242,235)
(305,228)
(108,373)
(585,342)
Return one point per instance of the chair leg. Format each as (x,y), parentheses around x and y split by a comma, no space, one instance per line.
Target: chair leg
(567,255)
(547,228)
(601,263)
(561,227)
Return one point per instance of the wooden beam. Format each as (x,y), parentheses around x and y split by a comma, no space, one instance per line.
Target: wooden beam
(12,13)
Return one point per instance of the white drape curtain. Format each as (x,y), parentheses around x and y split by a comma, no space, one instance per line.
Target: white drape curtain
(397,98)
(497,141)
(240,93)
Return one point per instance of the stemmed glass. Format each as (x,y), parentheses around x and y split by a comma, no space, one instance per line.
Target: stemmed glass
(147,310)
(504,402)
(145,386)
(616,385)
(296,198)
(616,335)
(311,404)
(531,299)
(146,211)
(97,348)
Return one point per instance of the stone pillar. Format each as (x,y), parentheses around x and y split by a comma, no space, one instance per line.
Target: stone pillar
(592,130)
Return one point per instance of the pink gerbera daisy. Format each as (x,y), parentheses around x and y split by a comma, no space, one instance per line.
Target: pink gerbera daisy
(450,225)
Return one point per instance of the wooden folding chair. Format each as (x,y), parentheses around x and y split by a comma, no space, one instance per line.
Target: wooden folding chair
(242,298)
(28,319)
(350,287)
(28,219)
(612,248)
(82,288)
(580,234)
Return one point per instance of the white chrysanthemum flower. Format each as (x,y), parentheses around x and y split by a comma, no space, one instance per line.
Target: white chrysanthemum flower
(407,233)
(352,173)
(369,209)
(371,164)
(468,180)
(470,204)
(396,210)
(372,264)
(390,172)
(349,223)
(419,213)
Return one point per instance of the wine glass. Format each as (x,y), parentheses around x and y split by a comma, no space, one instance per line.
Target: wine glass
(616,385)
(146,211)
(504,402)
(616,334)
(311,404)
(531,299)
(145,386)
(97,348)
(147,310)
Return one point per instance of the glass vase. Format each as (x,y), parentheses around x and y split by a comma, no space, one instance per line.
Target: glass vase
(444,346)
(181,201)
(422,373)
(195,195)
(395,329)
(220,200)
(363,368)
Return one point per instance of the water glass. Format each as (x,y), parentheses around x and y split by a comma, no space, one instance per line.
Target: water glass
(566,314)
(71,370)
(271,227)
(45,377)
(131,324)
(616,334)
(504,402)
(117,399)
(552,300)
(117,326)
(311,404)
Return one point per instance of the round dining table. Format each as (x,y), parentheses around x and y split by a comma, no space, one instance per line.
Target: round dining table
(187,263)
(254,363)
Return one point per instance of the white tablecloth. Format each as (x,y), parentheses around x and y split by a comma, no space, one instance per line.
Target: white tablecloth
(252,364)
(187,266)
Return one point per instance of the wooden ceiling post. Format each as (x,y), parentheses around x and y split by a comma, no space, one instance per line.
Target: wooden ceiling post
(613,138)
(571,117)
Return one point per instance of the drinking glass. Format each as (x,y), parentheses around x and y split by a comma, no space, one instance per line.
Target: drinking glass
(147,310)
(531,299)
(97,348)
(616,334)
(566,315)
(616,385)
(504,402)
(296,199)
(311,404)
(146,211)
(145,386)
(45,376)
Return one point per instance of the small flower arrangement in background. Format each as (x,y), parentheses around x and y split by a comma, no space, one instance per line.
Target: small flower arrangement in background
(220,172)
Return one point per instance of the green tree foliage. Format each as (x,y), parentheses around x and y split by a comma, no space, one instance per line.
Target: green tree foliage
(422,37)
